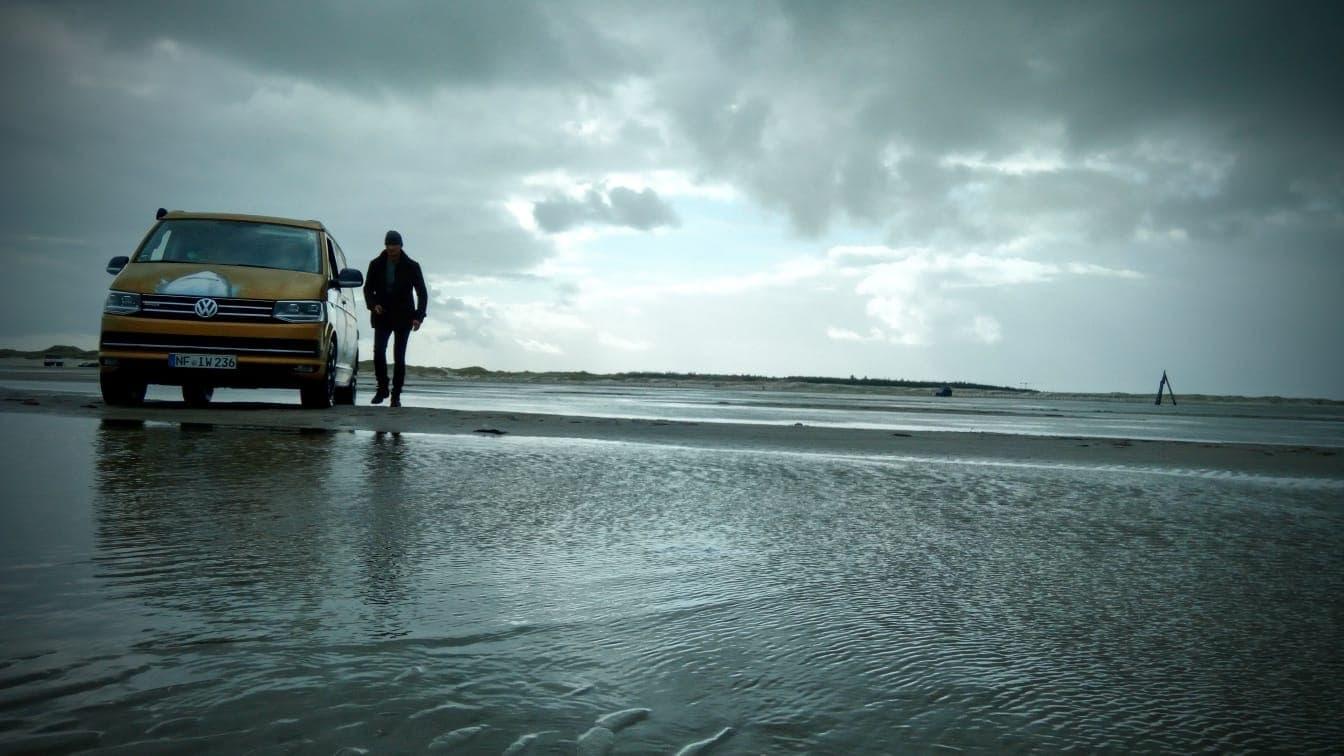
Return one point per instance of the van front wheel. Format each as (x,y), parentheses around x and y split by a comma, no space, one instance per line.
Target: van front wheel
(348,393)
(322,394)
(197,396)
(121,392)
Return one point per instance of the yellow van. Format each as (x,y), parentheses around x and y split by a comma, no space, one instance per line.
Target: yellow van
(241,301)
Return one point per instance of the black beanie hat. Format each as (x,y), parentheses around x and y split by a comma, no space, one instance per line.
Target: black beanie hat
(392,237)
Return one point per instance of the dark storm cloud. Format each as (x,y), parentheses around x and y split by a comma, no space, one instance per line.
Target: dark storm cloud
(804,114)
(621,206)
(97,139)
(802,103)
(395,47)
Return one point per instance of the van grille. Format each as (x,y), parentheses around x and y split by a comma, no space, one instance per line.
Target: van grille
(180,307)
(226,344)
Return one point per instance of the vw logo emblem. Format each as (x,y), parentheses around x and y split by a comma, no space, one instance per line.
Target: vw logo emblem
(207,307)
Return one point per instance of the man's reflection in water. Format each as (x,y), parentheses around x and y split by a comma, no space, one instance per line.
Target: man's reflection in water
(390,533)
(225,524)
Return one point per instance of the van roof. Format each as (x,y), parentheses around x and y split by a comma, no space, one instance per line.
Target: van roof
(189,215)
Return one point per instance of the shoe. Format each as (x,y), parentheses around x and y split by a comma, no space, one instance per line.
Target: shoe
(379,395)
(396,400)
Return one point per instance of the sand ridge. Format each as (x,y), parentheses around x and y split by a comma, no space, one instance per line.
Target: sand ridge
(1252,459)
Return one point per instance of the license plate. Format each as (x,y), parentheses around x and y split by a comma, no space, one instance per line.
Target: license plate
(212,361)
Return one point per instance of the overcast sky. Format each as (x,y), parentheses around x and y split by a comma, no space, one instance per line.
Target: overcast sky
(1071,196)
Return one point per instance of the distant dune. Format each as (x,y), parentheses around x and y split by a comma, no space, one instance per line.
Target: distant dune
(60,350)
(720,379)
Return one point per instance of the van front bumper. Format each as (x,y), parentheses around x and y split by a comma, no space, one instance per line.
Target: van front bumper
(251,372)
(268,356)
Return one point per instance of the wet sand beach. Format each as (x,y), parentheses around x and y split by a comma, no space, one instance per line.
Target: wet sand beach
(1245,458)
(259,578)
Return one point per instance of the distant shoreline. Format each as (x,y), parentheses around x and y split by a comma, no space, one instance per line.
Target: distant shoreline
(915,447)
(476,372)
(437,374)
(881,386)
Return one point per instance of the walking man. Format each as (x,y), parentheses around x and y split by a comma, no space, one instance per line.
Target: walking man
(393,277)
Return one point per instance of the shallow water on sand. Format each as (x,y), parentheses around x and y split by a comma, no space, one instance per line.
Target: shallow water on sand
(1220,421)
(174,588)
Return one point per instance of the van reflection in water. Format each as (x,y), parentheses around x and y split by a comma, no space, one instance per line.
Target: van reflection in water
(213,523)
(254,528)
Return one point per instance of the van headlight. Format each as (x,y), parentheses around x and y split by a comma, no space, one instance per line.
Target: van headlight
(121,303)
(300,312)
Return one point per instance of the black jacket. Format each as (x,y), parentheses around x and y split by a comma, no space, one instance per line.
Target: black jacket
(399,309)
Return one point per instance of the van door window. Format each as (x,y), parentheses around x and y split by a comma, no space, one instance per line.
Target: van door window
(340,256)
(331,259)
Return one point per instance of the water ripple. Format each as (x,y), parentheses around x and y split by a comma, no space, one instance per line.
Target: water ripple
(245,590)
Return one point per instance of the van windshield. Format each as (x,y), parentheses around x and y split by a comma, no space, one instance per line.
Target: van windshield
(226,242)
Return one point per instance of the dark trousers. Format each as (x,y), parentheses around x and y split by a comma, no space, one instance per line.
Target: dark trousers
(380,335)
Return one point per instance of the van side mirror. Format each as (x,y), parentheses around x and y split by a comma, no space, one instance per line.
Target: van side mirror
(349,279)
(115,265)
